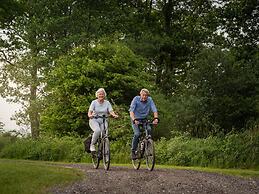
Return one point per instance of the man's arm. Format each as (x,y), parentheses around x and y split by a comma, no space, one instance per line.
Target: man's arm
(132,108)
(155,121)
(155,114)
(132,115)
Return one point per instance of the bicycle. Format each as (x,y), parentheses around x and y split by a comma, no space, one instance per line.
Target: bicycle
(103,147)
(145,149)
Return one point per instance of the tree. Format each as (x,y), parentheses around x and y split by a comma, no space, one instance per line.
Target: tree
(78,75)
(8,10)
(227,90)
(170,33)
(32,41)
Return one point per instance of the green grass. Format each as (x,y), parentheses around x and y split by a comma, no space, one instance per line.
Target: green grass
(247,173)
(33,177)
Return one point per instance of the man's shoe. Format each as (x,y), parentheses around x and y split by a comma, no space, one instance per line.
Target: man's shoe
(133,155)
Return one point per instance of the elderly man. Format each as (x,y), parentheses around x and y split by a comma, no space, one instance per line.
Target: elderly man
(140,108)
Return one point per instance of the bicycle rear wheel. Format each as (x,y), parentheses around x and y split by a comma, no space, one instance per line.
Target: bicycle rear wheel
(150,154)
(106,153)
(136,163)
(96,157)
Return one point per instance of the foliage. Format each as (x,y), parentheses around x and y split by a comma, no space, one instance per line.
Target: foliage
(9,9)
(49,149)
(77,76)
(225,88)
(166,113)
(200,58)
(232,151)
(236,150)
(5,139)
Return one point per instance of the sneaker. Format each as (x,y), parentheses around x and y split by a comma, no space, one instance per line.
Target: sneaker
(133,155)
(92,148)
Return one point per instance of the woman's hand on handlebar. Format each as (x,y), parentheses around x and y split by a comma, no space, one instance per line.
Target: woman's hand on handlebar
(90,115)
(114,115)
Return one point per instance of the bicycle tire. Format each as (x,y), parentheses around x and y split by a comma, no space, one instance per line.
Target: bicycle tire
(150,154)
(137,162)
(106,153)
(96,157)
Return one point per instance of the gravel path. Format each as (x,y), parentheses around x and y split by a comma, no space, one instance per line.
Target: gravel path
(122,180)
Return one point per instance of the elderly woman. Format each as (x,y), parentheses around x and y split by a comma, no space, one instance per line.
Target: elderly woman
(99,107)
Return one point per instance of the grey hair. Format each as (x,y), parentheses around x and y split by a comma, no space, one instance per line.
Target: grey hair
(100,90)
(145,91)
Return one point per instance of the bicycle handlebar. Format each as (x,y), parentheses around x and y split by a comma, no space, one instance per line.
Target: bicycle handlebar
(145,121)
(102,117)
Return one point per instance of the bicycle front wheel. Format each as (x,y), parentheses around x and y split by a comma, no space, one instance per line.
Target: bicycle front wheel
(106,153)
(150,154)
(136,162)
(96,157)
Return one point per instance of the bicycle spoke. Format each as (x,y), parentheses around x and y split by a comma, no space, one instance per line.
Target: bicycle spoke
(136,163)
(106,153)
(95,156)
(150,154)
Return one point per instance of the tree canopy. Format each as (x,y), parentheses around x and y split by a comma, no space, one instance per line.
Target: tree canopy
(199,58)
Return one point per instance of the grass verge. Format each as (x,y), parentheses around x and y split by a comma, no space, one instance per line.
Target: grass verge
(33,177)
(245,173)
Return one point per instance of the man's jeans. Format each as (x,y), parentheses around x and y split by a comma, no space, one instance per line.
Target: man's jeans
(135,139)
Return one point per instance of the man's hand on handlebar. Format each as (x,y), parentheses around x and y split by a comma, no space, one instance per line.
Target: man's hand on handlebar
(136,122)
(155,121)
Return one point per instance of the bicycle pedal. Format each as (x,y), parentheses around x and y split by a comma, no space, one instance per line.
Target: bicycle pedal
(93,154)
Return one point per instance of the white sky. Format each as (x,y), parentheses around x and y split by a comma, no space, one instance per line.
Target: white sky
(6,111)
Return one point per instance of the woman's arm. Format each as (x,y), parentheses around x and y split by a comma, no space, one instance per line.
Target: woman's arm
(113,114)
(90,114)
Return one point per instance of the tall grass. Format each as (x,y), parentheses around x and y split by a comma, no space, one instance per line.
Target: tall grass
(69,149)
(231,151)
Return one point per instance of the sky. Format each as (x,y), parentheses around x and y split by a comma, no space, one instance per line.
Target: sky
(6,111)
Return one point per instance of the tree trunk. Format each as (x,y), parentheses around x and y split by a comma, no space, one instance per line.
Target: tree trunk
(33,107)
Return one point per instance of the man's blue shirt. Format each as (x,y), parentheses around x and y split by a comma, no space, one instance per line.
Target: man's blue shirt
(141,109)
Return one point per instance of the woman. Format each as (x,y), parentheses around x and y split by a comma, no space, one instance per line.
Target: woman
(99,107)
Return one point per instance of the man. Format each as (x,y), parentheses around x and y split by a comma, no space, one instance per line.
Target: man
(140,108)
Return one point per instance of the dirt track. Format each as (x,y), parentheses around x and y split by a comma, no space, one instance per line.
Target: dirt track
(122,180)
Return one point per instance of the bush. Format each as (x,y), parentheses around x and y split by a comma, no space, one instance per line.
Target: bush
(47,148)
(232,151)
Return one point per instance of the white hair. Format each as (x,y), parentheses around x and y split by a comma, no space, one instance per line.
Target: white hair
(100,90)
(145,91)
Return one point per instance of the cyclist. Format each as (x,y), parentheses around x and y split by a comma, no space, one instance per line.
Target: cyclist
(140,108)
(99,107)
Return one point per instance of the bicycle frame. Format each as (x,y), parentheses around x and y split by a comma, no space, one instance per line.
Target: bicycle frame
(145,146)
(103,150)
